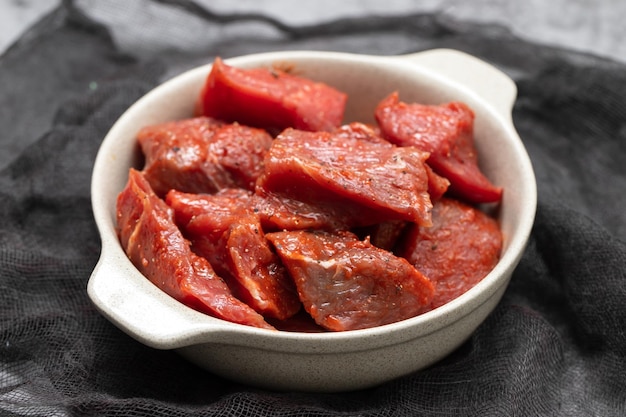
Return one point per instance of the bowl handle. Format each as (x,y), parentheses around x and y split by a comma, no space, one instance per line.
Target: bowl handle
(482,78)
(149,315)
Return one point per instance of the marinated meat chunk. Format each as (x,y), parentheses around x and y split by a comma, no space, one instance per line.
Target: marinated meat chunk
(437,185)
(224,229)
(445,131)
(202,155)
(224,207)
(265,284)
(270,99)
(346,284)
(385,234)
(366,182)
(205,219)
(457,251)
(240,150)
(281,212)
(160,252)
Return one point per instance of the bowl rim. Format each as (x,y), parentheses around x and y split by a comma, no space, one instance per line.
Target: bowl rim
(206,329)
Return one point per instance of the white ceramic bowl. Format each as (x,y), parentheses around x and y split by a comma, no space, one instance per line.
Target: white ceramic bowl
(320,361)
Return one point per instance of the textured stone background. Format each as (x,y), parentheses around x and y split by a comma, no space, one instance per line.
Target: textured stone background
(594,26)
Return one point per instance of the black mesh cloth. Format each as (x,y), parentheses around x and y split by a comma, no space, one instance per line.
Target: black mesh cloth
(554,346)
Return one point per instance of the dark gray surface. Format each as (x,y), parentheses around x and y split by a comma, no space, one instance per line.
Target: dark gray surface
(583,25)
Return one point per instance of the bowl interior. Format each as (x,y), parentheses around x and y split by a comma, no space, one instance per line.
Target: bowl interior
(366,80)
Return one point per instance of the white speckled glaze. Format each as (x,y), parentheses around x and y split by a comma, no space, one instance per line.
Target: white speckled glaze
(328,361)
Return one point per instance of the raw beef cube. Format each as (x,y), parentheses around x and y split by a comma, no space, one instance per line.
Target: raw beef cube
(265,284)
(366,182)
(445,131)
(281,212)
(346,284)
(270,99)
(160,252)
(457,251)
(224,229)
(202,155)
(205,219)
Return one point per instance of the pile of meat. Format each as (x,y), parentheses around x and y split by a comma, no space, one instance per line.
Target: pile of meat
(265,210)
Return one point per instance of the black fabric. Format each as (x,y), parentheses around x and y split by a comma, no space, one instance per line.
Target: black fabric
(555,345)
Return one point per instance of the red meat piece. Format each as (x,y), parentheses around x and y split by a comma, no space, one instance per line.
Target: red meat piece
(457,251)
(365,182)
(202,155)
(281,212)
(205,219)
(437,185)
(159,251)
(224,229)
(270,99)
(265,284)
(193,211)
(447,133)
(346,284)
